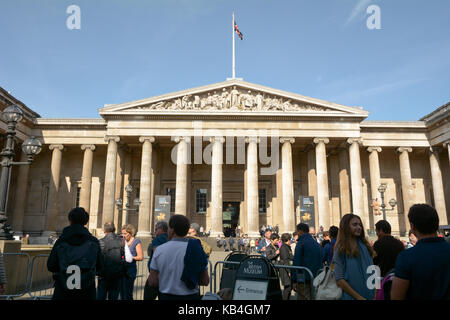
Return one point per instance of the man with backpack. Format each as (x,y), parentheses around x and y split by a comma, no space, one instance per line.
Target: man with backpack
(113,251)
(75,259)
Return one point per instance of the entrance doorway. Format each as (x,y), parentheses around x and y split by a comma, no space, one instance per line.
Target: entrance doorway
(230,218)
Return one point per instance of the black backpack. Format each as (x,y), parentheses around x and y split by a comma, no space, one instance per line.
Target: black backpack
(84,256)
(113,252)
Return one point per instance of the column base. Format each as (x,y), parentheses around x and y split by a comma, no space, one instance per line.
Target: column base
(143,234)
(215,234)
(253,234)
(49,233)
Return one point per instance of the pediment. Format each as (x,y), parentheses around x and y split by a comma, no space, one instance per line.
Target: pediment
(232,97)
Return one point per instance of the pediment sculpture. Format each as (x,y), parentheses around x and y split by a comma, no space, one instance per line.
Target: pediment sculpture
(233,99)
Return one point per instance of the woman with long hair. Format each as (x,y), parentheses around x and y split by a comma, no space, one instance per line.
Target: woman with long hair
(353,254)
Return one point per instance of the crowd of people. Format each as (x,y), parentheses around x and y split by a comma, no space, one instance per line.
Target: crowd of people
(178,259)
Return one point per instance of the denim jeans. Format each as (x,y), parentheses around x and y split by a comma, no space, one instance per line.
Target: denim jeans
(108,288)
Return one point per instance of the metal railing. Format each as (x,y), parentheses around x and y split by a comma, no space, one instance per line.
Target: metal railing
(301,270)
(41,283)
(32,277)
(17,279)
(217,274)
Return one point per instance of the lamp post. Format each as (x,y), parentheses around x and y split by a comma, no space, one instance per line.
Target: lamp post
(31,147)
(392,202)
(136,202)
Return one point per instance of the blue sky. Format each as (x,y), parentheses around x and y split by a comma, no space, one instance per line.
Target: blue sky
(134,49)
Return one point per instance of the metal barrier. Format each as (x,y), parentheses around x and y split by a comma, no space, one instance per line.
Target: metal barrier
(300,270)
(41,283)
(217,274)
(17,277)
(142,275)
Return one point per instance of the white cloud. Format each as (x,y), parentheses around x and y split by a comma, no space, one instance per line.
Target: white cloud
(358,9)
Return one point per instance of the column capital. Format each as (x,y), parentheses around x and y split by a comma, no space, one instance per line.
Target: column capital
(217,139)
(374,149)
(287,139)
(446,144)
(60,147)
(319,140)
(252,139)
(403,149)
(434,149)
(114,138)
(145,138)
(88,146)
(179,138)
(355,140)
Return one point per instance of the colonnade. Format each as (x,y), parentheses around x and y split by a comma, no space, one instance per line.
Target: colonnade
(356,204)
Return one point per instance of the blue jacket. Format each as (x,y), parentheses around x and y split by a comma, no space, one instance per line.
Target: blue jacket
(261,244)
(308,253)
(327,255)
(159,240)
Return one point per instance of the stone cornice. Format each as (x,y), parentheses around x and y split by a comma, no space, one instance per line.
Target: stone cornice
(437,115)
(45,123)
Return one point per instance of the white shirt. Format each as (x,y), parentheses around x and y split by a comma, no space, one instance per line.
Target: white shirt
(168,260)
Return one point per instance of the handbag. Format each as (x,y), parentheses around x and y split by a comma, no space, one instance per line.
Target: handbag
(326,287)
(128,255)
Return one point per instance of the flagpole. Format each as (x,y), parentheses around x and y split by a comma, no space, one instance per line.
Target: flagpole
(234,55)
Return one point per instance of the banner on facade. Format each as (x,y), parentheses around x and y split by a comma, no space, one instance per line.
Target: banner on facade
(162,209)
(307,210)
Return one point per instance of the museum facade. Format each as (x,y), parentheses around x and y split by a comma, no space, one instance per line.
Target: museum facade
(227,154)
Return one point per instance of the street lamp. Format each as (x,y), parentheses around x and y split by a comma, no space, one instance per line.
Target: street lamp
(31,147)
(392,202)
(136,202)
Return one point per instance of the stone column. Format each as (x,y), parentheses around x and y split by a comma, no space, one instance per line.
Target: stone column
(374,168)
(356,180)
(53,191)
(322,183)
(144,230)
(86,177)
(216,186)
(109,190)
(405,175)
(181,184)
(288,185)
(312,183)
(438,187)
(447,145)
(252,187)
(344,185)
(21,193)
